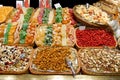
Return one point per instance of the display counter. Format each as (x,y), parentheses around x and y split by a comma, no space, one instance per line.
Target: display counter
(56,77)
(47,43)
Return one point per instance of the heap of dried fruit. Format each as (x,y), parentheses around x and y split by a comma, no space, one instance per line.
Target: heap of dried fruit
(94,38)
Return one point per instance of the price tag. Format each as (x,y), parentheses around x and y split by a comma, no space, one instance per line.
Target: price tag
(19,4)
(57,5)
(118,33)
(114,24)
(1,5)
(82,27)
(87,5)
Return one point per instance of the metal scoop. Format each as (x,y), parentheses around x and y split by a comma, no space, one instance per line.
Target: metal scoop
(69,63)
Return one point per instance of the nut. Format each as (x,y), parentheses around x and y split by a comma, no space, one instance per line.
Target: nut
(52,58)
(101,60)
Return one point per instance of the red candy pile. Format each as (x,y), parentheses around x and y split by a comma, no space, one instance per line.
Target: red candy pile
(94,38)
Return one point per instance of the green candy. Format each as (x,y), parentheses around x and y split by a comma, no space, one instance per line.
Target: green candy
(45,16)
(58,17)
(28,15)
(5,41)
(48,36)
(23,33)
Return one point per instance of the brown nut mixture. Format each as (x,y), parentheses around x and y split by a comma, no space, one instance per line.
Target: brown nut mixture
(101,60)
(51,59)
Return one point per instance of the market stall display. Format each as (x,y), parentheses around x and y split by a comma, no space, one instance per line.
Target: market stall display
(60,40)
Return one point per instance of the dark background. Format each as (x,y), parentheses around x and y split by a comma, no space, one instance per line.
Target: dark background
(35,3)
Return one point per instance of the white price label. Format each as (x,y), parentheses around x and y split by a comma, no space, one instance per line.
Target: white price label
(57,5)
(118,33)
(1,5)
(87,5)
(19,4)
(82,27)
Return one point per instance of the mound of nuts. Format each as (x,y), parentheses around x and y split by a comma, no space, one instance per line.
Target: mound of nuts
(100,60)
(51,59)
(14,58)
